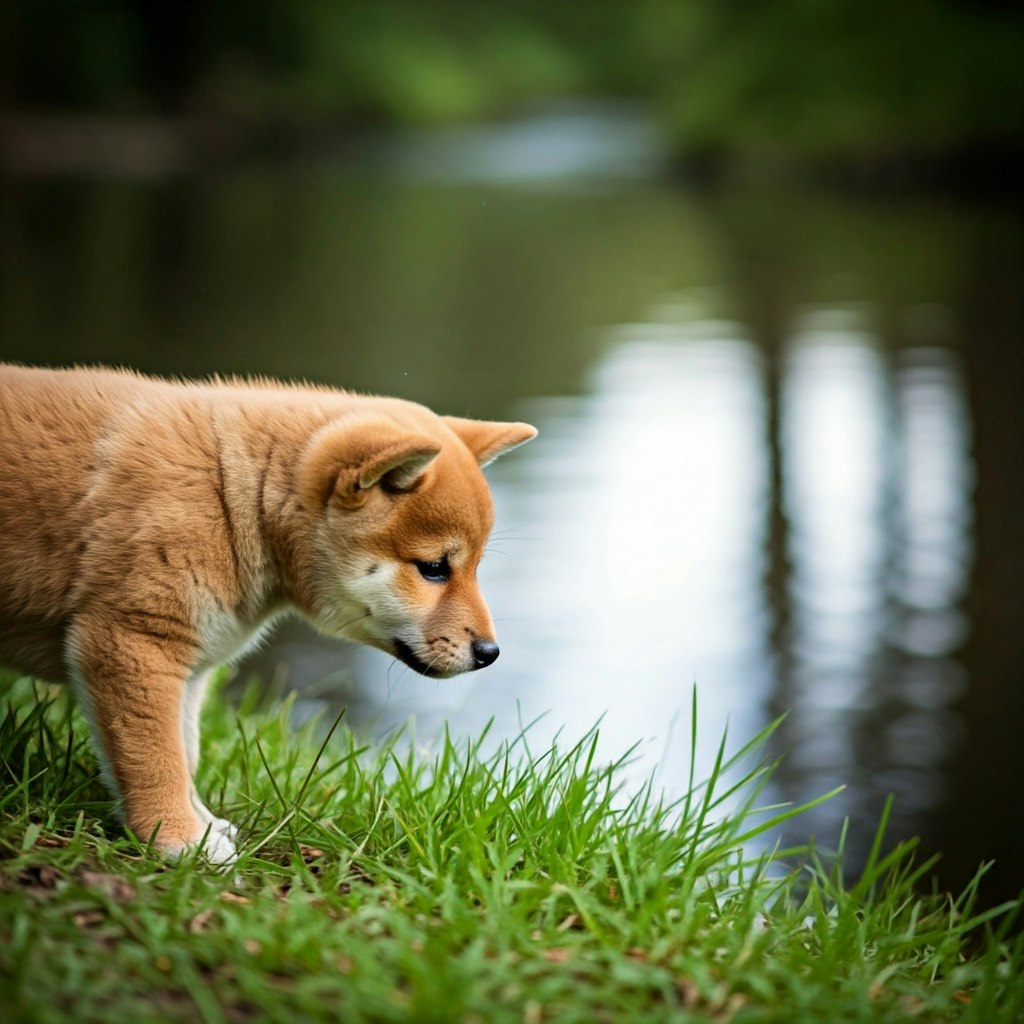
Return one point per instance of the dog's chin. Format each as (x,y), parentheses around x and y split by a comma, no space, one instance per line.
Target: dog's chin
(405,654)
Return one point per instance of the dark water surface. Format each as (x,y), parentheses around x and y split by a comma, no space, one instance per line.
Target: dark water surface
(781,453)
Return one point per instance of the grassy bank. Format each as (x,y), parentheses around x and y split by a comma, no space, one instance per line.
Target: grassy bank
(382,885)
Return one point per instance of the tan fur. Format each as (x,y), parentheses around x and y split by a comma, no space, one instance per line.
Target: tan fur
(149,530)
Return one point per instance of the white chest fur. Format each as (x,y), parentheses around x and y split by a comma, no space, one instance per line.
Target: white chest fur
(225,637)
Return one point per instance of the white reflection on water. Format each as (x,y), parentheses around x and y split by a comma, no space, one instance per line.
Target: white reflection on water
(650,543)
(835,447)
(631,557)
(935,509)
(877,496)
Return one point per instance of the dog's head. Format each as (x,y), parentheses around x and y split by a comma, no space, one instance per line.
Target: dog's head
(401,514)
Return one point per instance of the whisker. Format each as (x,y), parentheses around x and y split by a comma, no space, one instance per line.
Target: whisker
(365,615)
(498,551)
(388,680)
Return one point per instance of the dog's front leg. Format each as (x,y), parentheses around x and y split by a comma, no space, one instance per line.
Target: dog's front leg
(133,686)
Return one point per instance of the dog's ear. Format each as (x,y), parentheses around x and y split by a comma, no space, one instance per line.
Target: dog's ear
(346,461)
(487,440)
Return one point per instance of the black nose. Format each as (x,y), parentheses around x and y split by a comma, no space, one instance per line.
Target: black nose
(484,653)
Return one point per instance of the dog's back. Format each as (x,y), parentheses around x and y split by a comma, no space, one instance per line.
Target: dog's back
(49,426)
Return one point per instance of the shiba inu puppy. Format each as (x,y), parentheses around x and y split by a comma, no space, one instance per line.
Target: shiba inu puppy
(151,530)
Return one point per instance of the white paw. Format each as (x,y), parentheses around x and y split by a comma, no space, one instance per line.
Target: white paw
(219,848)
(213,844)
(218,838)
(207,817)
(224,827)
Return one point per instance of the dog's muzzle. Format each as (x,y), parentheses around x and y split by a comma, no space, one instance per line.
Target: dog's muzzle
(485,652)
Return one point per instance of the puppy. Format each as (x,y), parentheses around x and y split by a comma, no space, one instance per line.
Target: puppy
(151,530)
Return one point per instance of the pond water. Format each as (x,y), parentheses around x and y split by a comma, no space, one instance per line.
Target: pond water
(781,457)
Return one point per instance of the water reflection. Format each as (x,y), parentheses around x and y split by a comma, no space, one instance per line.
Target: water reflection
(782,449)
(650,526)
(877,485)
(834,423)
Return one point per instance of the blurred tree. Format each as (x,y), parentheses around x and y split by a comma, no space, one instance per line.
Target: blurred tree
(782,78)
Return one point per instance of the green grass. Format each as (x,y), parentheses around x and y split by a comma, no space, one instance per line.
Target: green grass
(382,885)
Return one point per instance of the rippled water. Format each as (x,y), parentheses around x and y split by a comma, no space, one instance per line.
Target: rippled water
(781,443)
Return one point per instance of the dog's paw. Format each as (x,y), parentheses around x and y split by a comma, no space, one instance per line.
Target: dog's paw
(212,837)
(214,845)
(208,818)
(219,847)
(224,827)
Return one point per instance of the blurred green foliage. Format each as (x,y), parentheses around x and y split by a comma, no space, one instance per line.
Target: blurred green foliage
(821,77)
(818,78)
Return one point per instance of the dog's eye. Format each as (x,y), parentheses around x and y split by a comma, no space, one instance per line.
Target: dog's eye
(436,572)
